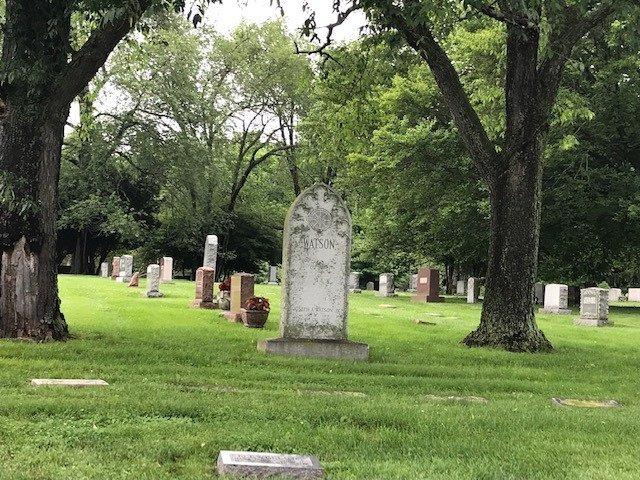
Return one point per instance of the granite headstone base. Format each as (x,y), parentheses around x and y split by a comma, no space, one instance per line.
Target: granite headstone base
(592,322)
(268,465)
(340,349)
(199,303)
(555,311)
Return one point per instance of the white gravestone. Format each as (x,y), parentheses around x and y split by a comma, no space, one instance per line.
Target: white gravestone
(315,280)
(473,290)
(354,282)
(273,275)
(153,281)
(556,299)
(268,465)
(210,252)
(594,307)
(460,290)
(166,270)
(413,285)
(386,286)
(615,294)
(634,295)
(126,269)
(104,269)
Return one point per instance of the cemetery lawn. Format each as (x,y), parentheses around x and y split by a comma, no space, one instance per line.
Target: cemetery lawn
(185,384)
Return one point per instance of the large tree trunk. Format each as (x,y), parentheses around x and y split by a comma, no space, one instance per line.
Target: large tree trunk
(508,319)
(29,304)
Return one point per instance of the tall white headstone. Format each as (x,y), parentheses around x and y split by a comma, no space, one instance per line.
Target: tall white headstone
(166,270)
(210,252)
(273,275)
(126,269)
(460,287)
(354,282)
(594,307)
(104,269)
(473,290)
(315,280)
(556,299)
(153,281)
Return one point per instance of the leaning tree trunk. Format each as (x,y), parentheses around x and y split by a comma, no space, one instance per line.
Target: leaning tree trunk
(29,304)
(508,319)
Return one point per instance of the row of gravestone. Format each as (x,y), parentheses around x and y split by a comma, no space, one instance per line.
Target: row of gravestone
(594,304)
(122,272)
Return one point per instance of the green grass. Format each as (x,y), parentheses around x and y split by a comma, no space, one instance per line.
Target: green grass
(185,384)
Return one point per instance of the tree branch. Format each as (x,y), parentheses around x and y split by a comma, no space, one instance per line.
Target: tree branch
(87,61)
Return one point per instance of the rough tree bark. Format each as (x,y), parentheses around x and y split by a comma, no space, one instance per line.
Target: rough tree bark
(37,85)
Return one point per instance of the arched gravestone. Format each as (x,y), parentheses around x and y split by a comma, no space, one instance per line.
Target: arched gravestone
(315,281)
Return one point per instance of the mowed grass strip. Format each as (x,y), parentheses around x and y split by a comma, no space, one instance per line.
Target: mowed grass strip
(185,383)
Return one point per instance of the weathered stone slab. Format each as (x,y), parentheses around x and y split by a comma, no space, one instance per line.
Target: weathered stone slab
(115,267)
(354,282)
(386,287)
(104,269)
(210,252)
(166,270)
(633,295)
(135,280)
(126,269)
(556,299)
(413,284)
(370,286)
(594,308)
(316,267)
(267,465)
(428,289)
(453,398)
(273,275)
(473,290)
(615,294)
(204,288)
(242,286)
(340,349)
(575,402)
(461,287)
(153,281)
(68,382)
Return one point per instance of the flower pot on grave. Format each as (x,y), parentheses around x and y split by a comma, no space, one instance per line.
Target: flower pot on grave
(254,318)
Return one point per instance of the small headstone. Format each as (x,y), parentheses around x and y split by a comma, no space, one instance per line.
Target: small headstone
(575,402)
(615,294)
(460,287)
(386,286)
(316,266)
(594,308)
(67,382)
(166,270)
(370,286)
(135,280)
(153,281)
(428,285)
(273,275)
(126,269)
(633,295)
(413,283)
(538,293)
(354,282)
(241,290)
(210,252)
(556,299)
(115,268)
(204,288)
(268,465)
(104,269)
(473,290)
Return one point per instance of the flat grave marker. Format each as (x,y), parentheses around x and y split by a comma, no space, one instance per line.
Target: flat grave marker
(576,402)
(266,465)
(68,382)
